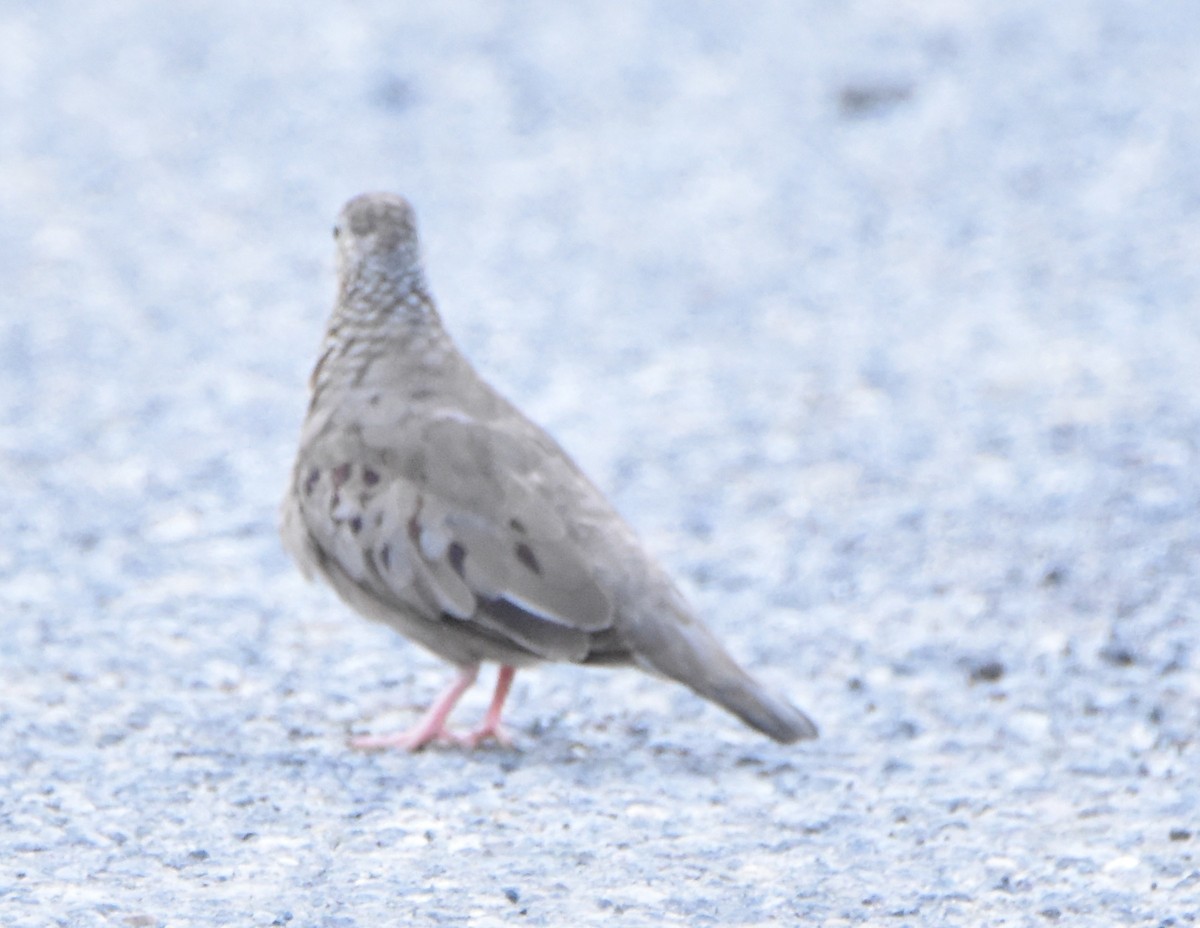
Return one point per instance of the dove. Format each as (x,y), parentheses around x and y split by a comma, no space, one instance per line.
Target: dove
(430,503)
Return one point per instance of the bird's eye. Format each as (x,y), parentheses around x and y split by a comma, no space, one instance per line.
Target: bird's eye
(337,230)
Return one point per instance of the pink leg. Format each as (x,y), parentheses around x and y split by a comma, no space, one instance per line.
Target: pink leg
(433,725)
(491,727)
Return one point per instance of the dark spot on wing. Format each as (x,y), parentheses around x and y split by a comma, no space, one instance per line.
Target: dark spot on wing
(385,556)
(356,524)
(310,482)
(370,478)
(526,556)
(456,554)
(517,525)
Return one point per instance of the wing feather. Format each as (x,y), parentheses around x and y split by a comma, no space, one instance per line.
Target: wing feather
(452,522)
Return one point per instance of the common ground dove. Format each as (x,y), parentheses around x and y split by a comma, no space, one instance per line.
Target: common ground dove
(430,503)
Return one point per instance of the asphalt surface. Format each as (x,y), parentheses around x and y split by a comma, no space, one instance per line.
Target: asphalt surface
(879,321)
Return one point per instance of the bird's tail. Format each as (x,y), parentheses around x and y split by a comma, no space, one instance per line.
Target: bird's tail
(686,651)
(759,708)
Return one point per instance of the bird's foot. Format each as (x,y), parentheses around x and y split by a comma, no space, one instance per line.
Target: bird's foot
(432,728)
(414,739)
(411,740)
(491,729)
(488,731)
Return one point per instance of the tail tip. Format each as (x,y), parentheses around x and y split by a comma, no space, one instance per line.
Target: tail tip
(798,727)
(773,715)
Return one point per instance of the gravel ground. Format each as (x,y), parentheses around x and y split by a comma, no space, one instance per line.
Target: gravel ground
(879,320)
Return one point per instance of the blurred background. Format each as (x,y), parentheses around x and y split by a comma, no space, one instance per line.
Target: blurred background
(878,320)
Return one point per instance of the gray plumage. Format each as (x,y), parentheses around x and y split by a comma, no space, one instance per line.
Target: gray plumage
(430,503)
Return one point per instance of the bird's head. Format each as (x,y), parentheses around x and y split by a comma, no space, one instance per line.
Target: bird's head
(378,253)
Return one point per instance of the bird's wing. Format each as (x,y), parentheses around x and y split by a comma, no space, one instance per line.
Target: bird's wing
(456,519)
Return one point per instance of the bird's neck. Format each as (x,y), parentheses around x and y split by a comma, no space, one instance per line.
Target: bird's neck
(379,295)
(383,331)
